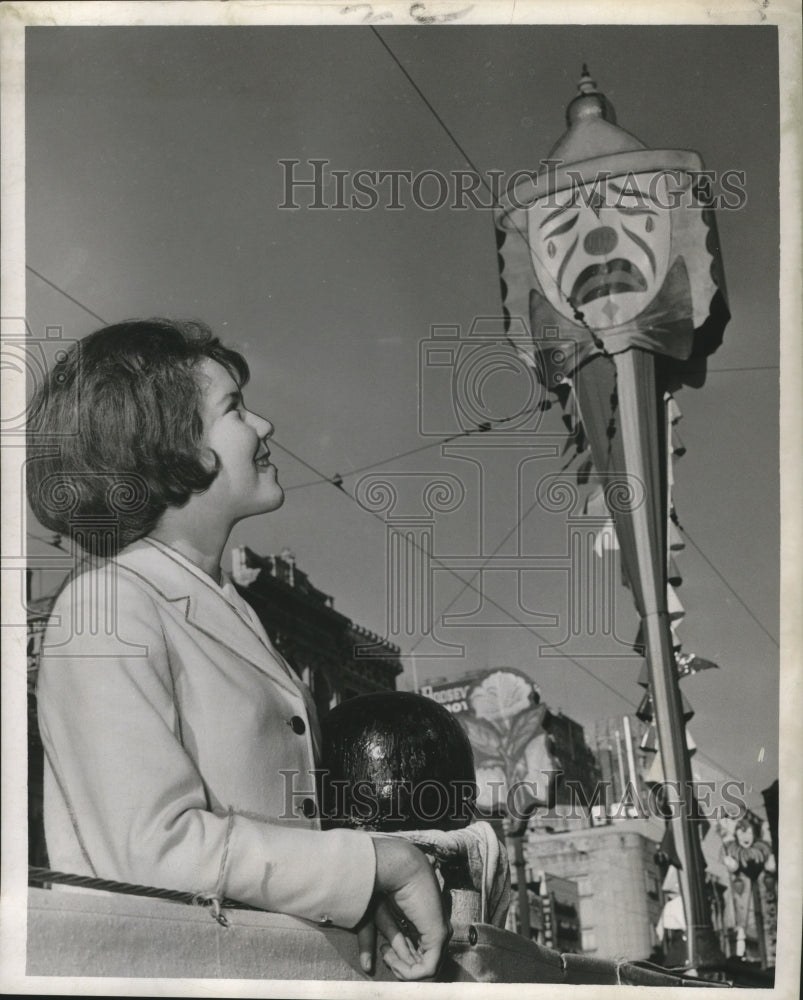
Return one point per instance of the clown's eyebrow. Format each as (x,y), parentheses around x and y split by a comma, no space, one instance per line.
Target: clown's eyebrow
(556,213)
(633,209)
(634,193)
(564,228)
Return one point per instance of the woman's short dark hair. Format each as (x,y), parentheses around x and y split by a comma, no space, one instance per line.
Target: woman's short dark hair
(115,431)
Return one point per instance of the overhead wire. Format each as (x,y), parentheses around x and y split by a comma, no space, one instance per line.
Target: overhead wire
(324,479)
(496,203)
(482,428)
(66,295)
(725,583)
(578,316)
(467,585)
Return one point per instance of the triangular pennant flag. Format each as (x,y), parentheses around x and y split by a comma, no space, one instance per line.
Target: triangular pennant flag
(644,712)
(668,850)
(676,542)
(605,539)
(688,712)
(673,573)
(673,605)
(595,505)
(655,773)
(646,709)
(584,471)
(678,447)
(649,741)
(672,410)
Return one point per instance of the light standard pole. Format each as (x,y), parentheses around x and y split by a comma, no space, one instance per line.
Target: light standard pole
(609,255)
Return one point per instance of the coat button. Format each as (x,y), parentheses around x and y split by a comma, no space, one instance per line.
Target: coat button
(309,808)
(298,725)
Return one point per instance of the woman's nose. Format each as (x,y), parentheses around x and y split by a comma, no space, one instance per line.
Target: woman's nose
(600,241)
(263,427)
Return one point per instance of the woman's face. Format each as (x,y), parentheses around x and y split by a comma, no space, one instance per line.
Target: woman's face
(246,482)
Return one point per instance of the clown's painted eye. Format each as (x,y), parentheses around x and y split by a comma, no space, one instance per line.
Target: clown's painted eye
(550,248)
(650,224)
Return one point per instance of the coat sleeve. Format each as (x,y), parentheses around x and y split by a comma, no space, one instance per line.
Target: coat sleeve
(134,798)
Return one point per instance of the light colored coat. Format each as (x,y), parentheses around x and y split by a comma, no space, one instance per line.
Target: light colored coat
(179,750)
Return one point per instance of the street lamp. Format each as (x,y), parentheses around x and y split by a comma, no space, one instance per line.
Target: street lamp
(609,256)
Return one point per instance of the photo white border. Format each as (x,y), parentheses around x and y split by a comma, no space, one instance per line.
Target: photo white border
(14,17)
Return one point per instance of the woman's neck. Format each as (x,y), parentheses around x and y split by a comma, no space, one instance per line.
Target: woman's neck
(202,544)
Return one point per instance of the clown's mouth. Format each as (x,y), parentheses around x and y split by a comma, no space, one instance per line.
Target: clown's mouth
(610,278)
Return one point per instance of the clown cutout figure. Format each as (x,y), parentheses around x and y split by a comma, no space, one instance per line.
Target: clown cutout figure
(747,857)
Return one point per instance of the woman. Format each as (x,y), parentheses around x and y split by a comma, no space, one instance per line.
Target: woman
(178,743)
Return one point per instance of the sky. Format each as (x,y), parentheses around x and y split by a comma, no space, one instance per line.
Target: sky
(153,187)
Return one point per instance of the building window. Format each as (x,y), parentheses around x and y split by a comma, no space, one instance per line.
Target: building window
(589,940)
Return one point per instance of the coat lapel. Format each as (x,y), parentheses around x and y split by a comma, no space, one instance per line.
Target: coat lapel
(203,606)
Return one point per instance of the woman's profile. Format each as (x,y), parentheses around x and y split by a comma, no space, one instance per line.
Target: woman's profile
(174,733)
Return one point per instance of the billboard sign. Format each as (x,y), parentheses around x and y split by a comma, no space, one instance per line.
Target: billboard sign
(502,714)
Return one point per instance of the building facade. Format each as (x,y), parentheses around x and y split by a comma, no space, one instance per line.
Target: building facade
(620,898)
(333,655)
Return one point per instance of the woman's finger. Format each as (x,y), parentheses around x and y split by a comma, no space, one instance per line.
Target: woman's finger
(366,944)
(396,935)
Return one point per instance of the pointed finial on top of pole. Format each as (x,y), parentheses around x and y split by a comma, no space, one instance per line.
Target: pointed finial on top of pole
(589,102)
(586,85)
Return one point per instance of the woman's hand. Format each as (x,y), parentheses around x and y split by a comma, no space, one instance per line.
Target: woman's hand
(407,909)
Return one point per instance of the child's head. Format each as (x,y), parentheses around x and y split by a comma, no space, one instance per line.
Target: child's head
(130,396)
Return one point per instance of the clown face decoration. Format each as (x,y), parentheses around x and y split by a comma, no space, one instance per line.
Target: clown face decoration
(601,251)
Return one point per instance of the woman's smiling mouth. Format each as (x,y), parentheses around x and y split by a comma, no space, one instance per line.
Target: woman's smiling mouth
(263,461)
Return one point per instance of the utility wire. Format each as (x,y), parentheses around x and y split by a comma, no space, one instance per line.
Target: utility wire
(468,584)
(496,204)
(741,601)
(432,110)
(460,593)
(323,478)
(744,368)
(483,428)
(66,295)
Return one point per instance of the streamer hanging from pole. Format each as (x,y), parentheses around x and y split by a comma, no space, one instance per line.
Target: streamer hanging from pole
(609,261)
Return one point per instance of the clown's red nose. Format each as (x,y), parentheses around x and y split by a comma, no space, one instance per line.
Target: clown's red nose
(600,241)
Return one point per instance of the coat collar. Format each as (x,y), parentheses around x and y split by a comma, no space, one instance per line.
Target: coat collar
(203,605)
